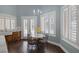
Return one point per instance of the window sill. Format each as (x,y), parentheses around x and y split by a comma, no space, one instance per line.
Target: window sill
(71,43)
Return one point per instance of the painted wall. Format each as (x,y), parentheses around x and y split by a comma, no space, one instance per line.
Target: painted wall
(8,9)
(25,10)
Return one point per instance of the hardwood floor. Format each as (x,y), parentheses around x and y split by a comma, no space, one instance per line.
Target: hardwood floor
(23,47)
(53,49)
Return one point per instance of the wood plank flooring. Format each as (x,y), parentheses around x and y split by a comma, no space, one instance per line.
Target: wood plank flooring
(22,47)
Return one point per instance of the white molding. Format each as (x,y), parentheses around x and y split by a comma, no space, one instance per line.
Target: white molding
(72,44)
(53,43)
(63,48)
(57,44)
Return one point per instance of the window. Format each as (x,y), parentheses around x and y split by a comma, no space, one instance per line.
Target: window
(52,23)
(32,26)
(73,24)
(13,24)
(7,22)
(48,22)
(42,24)
(66,22)
(29,25)
(25,27)
(70,22)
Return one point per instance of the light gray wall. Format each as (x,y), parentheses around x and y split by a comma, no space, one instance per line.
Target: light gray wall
(8,9)
(26,10)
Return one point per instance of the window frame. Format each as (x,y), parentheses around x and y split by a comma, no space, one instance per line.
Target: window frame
(9,17)
(28,18)
(49,14)
(69,38)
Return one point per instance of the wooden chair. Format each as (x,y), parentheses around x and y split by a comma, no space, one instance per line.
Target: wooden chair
(16,36)
(8,38)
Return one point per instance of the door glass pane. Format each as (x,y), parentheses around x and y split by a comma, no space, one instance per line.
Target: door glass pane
(25,27)
(32,27)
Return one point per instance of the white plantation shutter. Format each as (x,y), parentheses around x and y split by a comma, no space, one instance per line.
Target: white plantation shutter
(66,22)
(48,22)
(52,23)
(70,22)
(73,24)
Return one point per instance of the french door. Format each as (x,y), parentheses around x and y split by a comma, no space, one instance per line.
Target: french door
(29,26)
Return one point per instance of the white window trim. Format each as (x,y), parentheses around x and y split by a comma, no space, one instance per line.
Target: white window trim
(74,44)
(47,14)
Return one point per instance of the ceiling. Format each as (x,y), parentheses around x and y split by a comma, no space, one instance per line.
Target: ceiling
(27,10)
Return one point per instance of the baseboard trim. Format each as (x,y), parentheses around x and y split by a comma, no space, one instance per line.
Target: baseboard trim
(53,43)
(57,44)
(72,44)
(63,49)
